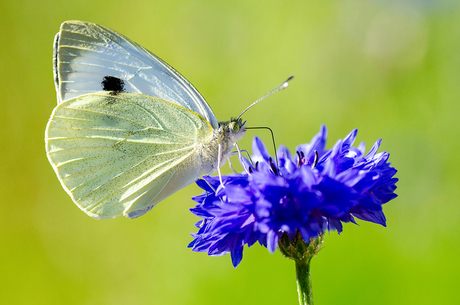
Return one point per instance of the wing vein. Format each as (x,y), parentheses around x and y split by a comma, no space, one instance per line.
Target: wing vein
(135,180)
(106,114)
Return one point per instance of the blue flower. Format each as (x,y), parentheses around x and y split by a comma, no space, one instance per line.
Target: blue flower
(309,192)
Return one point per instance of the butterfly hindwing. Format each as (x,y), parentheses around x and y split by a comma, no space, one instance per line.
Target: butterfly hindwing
(121,153)
(86,54)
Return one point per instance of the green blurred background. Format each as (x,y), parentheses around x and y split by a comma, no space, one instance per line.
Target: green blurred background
(389,68)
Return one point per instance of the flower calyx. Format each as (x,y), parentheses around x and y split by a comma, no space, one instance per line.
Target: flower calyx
(299,250)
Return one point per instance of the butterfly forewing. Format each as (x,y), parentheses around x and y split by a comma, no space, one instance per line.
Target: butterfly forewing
(86,53)
(121,154)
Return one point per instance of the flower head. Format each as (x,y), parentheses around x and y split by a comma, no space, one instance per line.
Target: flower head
(314,190)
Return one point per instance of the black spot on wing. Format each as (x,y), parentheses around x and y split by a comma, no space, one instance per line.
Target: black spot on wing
(113,84)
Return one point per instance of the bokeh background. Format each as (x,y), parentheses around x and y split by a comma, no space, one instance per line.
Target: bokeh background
(389,68)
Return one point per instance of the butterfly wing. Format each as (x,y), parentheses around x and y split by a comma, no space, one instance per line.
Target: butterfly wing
(121,154)
(86,53)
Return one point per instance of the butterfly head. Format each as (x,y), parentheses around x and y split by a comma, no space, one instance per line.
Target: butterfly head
(236,125)
(234,129)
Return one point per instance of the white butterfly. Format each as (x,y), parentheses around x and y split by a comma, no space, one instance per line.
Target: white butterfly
(128,130)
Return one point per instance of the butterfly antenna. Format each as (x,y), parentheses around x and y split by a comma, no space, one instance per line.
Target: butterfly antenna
(280,87)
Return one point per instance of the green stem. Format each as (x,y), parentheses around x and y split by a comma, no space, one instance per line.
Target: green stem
(302,253)
(302,268)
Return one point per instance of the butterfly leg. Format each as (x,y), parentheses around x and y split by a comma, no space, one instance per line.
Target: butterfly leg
(234,153)
(231,165)
(213,189)
(219,154)
(241,158)
(249,157)
(209,184)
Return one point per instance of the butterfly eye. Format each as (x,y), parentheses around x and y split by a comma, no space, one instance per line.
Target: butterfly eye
(234,127)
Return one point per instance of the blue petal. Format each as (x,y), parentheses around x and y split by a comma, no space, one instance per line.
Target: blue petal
(373,150)
(349,140)
(272,241)
(237,255)
(237,195)
(375,216)
(259,151)
(317,143)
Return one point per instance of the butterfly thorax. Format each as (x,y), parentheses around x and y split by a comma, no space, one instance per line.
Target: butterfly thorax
(226,135)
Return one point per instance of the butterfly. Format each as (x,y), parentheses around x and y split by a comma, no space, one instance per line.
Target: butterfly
(128,130)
